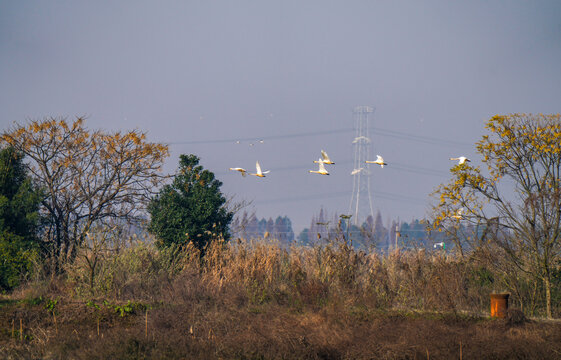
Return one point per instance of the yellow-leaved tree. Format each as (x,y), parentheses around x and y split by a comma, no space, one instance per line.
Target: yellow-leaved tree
(88,177)
(514,202)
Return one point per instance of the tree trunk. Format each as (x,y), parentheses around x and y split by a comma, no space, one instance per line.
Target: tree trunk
(92,276)
(547,285)
(57,253)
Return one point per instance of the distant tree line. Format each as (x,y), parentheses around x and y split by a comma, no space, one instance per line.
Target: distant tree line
(374,235)
(248,226)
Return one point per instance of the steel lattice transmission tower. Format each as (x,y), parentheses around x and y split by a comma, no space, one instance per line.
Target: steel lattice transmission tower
(361,198)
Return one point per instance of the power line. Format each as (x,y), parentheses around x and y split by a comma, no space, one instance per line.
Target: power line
(418,138)
(398,197)
(272,137)
(379,194)
(304,198)
(391,166)
(417,169)
(378,131)
(287,168)
(331,228)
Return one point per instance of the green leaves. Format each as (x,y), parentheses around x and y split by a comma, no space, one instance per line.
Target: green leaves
(19,220)
(191,209)
(16,259)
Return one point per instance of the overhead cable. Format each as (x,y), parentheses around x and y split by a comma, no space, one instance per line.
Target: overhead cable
(377,131)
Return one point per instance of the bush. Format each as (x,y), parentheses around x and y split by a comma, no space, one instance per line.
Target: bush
(192,208)
(19,219)
(17,262)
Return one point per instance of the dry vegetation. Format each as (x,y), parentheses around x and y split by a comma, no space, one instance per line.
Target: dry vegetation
(258,300)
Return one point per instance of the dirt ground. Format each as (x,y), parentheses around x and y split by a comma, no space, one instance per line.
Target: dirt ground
(211,331)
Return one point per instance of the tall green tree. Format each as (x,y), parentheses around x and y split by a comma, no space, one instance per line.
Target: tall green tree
(19,219)
(191,208)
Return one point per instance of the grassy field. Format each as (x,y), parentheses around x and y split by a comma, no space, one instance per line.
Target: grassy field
(210,330)
(256,300)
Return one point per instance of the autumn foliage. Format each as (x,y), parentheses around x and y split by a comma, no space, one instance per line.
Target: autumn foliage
(88,177)
(514,201)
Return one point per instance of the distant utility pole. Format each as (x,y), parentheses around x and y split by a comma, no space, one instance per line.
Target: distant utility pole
(397,235)
(361,198)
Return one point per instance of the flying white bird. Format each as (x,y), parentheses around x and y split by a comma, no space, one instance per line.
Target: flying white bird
(243,171)
(321,169)
(461,159)
(324,159)
(361,138)
(379,160)
(458,214)
(356,171)
(259,172)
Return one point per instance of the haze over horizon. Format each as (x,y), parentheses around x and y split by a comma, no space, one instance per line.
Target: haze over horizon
(202,75)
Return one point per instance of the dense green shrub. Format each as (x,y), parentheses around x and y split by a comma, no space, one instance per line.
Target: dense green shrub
(191,209)
(19,220)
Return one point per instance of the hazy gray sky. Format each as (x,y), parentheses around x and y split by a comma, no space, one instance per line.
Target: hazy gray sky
(193,73)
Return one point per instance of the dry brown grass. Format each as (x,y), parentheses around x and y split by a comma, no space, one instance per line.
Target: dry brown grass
(207,331)
(257,300)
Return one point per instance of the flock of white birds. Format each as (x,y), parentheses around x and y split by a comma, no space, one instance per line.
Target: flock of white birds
(323,171)
(326,160)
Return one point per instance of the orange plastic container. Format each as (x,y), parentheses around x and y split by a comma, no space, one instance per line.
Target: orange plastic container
(499,305)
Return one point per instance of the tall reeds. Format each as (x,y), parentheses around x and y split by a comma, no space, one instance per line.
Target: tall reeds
(261,271)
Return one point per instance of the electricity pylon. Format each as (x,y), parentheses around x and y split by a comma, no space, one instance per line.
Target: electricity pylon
(361,198)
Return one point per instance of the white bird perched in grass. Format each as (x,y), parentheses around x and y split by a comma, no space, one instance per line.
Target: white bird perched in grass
(379,160)
(458,215)
(441,244)
(321,169)
(259,172)
(243,171)
(324,159)
(461,159)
